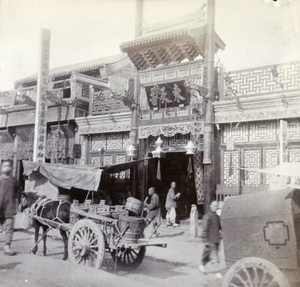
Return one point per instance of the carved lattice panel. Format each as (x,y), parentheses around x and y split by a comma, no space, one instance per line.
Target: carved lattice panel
(98,142)
(293,130)
(95,160)
(108,160)
(126,140)
(252,160)
(261,81)
(198,168)
(6,145)
(294,155)
(25,147)
(103,102)
(272,156)
(115,141)
(108,141)
(177,140)
(231,173)
(143,99)
(235,133)
(120,177)
(262,132)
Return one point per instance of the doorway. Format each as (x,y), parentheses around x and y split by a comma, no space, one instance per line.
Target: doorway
(174,167)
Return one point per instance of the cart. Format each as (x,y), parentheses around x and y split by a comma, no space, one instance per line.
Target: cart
(261,234)
(97,228)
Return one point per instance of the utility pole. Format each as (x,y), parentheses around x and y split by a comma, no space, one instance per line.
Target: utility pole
(209,115)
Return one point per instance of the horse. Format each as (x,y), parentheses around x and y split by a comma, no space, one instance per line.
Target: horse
(45,209)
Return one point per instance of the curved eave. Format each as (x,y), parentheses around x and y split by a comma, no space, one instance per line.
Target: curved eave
(198,34)
(79,68)
(169,47)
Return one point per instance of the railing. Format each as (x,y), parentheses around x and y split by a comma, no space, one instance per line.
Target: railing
(224,190)
(262,80)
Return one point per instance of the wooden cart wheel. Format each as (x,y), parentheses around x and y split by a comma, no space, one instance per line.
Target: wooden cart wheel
(254,271)
(86,243)
(129,258)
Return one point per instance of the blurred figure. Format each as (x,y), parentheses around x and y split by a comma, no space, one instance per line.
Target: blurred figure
(211,238)
(9,198)
(153,217)
(171,204)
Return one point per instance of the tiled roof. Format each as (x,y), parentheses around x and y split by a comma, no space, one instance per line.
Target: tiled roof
(79,67)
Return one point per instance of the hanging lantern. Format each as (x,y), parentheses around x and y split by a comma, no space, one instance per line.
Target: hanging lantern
(158,152)
(130,150)
(190,148)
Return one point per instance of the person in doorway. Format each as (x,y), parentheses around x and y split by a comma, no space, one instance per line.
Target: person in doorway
(171,204)
(153,217)
(211,238)
(8,204)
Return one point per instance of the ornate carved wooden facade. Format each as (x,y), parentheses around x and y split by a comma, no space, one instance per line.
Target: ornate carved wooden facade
(249,113)
(68,98)
(166,57)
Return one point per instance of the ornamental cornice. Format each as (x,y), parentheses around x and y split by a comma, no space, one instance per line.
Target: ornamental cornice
(167,130)
(257,108)
(23,116)
(104,123)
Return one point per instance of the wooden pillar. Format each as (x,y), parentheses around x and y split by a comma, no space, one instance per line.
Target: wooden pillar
(40,129)
(209,117)
(133,135)
(15,158)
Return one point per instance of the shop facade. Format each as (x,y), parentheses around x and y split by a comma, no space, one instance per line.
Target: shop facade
(69,96)
(169,58)
(258,116)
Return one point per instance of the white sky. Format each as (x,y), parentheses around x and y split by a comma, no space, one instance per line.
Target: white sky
(255,33)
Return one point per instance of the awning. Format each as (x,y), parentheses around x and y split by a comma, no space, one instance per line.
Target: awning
(114,168)
(66,176)
(284,169)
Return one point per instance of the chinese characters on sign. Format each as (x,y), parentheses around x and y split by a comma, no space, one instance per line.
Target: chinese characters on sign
(40,131)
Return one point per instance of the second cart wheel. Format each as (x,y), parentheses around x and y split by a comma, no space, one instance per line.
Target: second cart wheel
(129,258)
(254,271)
(86,243)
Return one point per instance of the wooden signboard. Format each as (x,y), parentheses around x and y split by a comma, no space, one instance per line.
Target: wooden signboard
(40,129)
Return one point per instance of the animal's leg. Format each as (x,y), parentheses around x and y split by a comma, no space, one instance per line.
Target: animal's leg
(45,230)
(65,240)
(36,238)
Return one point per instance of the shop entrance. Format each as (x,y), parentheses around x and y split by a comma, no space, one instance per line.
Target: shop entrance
(174,167)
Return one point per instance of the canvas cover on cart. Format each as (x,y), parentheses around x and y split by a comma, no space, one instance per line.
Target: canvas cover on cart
(66,176)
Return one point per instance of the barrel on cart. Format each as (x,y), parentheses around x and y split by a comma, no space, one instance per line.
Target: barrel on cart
(261,233)
(97,228)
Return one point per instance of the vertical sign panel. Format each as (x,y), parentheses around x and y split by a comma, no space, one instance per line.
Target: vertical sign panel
(40,129)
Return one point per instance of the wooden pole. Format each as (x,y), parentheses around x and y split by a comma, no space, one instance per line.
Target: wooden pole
(134,137)
(209,117)
(40,128)
(282,138)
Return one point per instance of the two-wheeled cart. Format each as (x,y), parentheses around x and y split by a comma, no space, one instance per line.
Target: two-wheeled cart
(97,228)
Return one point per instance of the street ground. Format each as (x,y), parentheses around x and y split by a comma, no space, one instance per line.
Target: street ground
(173,266)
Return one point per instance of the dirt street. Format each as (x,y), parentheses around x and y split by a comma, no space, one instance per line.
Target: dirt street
(26,269)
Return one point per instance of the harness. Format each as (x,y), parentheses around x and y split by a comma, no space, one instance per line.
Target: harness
(40,205)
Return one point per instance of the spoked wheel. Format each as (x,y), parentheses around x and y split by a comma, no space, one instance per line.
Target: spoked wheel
(256,272)
(129,258)
(86,243)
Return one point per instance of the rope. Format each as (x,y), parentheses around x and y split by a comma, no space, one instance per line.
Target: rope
(42,203)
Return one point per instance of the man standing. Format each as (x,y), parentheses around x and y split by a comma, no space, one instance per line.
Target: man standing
(211,238)
(171,204)
(153,212)
(8,204)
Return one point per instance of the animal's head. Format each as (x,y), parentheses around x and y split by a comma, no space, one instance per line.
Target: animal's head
(27,199)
